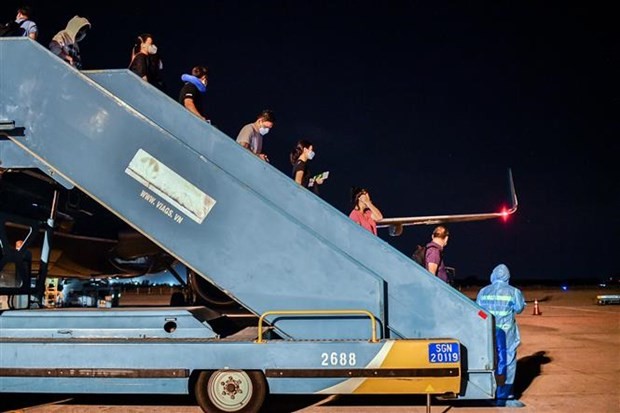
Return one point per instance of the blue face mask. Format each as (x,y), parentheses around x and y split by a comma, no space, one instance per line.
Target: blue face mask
(311,155)
(263,131)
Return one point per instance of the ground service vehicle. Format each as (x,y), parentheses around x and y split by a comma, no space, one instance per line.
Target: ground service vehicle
(340,311)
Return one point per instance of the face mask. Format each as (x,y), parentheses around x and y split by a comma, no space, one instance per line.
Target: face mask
(152,49)
(311,155)
(263,131)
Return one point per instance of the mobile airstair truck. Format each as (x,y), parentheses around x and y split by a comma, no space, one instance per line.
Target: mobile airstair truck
(339,311)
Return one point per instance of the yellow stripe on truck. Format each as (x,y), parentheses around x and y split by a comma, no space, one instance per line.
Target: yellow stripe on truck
(413,354)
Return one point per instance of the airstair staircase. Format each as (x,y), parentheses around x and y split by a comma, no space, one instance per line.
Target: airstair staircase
(232,218)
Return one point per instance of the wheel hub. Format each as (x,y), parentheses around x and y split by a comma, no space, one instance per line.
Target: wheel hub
(230,391)
(231,387)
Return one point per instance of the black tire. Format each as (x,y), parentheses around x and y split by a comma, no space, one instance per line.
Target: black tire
(225,391)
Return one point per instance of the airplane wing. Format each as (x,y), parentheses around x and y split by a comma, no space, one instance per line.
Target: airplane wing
(395,225)
(78,256)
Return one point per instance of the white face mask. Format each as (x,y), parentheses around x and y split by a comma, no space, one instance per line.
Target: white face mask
(263,131)
(152,49)
(311,155)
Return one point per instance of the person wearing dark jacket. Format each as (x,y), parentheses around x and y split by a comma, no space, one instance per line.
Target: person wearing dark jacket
(144,62)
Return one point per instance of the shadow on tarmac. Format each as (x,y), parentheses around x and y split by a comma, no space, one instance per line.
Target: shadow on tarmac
(19,401)
(528,368)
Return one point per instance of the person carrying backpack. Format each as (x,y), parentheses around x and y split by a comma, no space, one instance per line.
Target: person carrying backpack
(433,257)
(65,43)
(22,26)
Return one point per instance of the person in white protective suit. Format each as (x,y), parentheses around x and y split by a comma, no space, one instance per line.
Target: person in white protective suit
(504,302)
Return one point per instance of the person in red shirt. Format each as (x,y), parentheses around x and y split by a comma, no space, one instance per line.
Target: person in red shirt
(364,212)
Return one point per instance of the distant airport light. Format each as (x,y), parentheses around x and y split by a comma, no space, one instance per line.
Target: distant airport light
(564,288)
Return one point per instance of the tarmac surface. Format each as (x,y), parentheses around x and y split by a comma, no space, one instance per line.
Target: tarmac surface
(569,360)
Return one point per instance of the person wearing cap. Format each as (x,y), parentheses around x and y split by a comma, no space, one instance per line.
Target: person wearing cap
(364,212)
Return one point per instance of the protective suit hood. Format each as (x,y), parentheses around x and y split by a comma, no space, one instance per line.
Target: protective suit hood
(500,273)
(68,35)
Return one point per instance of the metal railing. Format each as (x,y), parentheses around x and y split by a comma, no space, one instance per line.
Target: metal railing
(322,313)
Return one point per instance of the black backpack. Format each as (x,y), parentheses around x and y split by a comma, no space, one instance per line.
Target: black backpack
(419,255)
(12,29)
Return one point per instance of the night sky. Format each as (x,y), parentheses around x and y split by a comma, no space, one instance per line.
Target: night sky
(426,104)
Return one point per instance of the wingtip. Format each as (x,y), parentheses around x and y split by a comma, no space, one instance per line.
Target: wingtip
(513,194)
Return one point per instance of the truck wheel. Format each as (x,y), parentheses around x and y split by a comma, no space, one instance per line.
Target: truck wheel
(237,391)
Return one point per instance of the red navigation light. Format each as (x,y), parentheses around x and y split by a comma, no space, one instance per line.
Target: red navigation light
(505,214)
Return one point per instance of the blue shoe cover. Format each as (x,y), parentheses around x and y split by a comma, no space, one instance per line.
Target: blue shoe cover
(514,403)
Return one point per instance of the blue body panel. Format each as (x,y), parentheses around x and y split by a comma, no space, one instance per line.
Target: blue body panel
(127,323)
(150,351)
